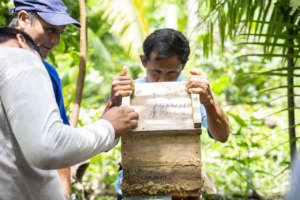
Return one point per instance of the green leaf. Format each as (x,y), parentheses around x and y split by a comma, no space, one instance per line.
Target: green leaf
(238,119)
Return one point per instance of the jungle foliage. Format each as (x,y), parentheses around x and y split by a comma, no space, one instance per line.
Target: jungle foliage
(248,48)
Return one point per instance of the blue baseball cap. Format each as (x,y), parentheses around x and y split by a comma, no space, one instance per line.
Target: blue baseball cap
(53,12)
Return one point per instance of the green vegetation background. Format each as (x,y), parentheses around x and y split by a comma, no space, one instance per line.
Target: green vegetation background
(256,157)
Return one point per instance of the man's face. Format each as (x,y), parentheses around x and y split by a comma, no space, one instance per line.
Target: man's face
(45,35)
(162,70)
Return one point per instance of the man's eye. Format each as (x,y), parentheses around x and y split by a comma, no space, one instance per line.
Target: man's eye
(50,30)
(173,73)
(156,72)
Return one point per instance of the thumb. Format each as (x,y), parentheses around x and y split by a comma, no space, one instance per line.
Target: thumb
(195,72)
(124,71)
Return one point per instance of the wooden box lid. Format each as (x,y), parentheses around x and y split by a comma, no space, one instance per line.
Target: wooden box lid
(165,106)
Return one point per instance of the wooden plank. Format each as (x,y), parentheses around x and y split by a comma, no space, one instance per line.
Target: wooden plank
(149,181)
(161,165)
(162,106)
(126,101)
(196,131)
(158,150)
(197,119)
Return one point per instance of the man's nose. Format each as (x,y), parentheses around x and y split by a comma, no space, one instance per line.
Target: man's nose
(162,78)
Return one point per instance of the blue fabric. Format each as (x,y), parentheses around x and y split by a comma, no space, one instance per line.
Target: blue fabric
(204,124)
(118,183)
(57,91)
(49,6)
(52,11)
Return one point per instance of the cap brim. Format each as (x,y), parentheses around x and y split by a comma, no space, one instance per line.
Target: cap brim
(58,19)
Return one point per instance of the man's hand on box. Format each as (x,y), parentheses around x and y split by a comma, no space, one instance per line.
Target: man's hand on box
(198,84)
(217,120)
(123,119)
(122,86)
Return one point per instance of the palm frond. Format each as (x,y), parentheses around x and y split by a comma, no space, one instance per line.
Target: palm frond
(269,55)
(268,44)
(273,26)
(126,18)
(279,87)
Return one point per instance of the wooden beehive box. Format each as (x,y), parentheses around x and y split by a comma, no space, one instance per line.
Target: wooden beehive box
(162,155)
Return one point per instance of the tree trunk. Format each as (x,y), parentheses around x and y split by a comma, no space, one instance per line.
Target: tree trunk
(291,93)
(80,82)
(65,174)
(82,68)
(291,103)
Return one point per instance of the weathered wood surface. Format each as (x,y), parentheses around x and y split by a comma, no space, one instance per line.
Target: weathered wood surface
(196,110)
(162,156)
(164,106)
(161,165)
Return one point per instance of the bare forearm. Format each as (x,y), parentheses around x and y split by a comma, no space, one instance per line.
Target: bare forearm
(65,179)
(217,121)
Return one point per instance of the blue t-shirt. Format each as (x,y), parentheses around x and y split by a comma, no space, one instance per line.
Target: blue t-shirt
(57,91)
(203,123)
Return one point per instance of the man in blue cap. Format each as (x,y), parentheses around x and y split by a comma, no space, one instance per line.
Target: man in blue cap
(45,21)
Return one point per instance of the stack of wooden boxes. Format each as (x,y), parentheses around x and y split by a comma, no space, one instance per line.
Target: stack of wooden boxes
(162,157)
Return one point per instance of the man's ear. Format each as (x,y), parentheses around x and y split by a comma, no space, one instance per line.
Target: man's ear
(23,20)
(143,60)
(21,41)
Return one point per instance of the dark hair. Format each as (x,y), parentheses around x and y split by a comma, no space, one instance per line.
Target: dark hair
(167,42)
(7,33)
(32,15)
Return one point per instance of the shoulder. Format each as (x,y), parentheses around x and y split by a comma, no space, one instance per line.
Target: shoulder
(180,79)
(140,80)
(15,56)
(15,61)
(18,64)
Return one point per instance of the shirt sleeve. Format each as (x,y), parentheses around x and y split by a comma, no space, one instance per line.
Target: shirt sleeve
(204,119)
(34,117)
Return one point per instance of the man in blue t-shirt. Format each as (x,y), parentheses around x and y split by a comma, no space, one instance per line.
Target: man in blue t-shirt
(166,52)
(45,21)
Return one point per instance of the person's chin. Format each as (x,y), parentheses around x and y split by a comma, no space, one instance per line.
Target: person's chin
(44,56)
(44,52)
